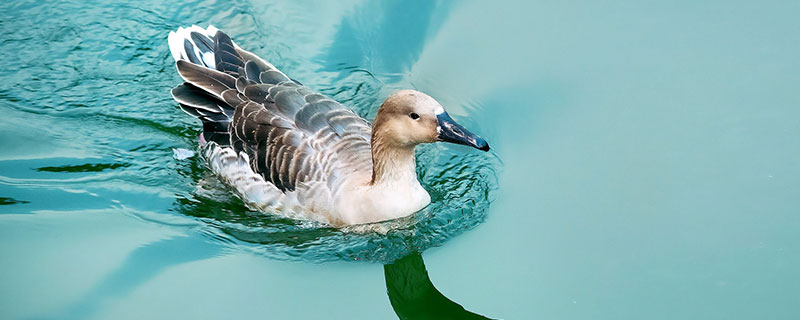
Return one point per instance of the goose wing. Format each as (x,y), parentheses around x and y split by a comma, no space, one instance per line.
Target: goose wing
(292,135)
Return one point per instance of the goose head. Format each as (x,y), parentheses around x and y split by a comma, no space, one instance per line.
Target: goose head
(408,118)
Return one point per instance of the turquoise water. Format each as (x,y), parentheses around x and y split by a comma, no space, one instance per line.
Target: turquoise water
(645,163)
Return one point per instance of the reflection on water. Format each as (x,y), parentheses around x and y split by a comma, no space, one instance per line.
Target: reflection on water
(413,295)
(140,266)
(389,46)
(8,201)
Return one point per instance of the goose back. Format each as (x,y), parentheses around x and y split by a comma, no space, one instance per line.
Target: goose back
(300,141)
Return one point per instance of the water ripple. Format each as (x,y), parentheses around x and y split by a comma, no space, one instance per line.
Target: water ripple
(461,187)
(89,94)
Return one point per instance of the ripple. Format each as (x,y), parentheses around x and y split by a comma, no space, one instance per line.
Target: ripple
(89,94)
(461,187)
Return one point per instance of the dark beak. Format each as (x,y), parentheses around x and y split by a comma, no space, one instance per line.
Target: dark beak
(455,133)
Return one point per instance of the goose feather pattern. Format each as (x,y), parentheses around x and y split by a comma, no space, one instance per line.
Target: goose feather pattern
(288,150)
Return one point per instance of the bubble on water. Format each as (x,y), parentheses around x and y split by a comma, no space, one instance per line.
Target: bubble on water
(182,154)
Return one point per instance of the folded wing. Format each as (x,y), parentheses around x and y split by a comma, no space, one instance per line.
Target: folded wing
(293,136)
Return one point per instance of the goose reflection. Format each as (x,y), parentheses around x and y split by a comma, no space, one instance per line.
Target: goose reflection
(413,295)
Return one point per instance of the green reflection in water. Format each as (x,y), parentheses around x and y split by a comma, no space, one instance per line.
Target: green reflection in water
(7,201)
(88,167)
(413,295)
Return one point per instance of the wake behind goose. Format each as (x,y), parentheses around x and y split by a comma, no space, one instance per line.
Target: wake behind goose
(288,150)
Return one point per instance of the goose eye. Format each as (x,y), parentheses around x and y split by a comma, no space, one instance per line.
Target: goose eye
(413,115)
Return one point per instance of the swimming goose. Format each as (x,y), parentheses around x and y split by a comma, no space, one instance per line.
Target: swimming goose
(288,150)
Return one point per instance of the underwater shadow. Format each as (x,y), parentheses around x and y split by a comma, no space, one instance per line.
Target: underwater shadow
(413,295)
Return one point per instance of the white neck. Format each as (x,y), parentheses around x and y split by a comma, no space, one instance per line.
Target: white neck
(393,191)
(395,167)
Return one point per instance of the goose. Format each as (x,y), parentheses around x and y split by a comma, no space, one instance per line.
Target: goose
(287,150)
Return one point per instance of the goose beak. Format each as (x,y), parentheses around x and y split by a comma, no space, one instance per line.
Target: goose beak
(450,131)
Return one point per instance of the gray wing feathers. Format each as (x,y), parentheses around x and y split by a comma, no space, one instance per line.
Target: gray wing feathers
(287,98)
(291,136)
(216,116)
(189,95)
(211,81)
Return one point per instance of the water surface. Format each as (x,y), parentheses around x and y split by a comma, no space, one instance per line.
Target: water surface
(645,163)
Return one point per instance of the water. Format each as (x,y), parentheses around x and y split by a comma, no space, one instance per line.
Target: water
(644,163)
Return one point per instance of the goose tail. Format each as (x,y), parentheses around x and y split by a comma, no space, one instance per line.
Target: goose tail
(194,44)
(216,72)
(197,55)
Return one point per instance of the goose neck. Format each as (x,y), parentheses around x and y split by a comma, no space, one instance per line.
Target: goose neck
(393,165)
